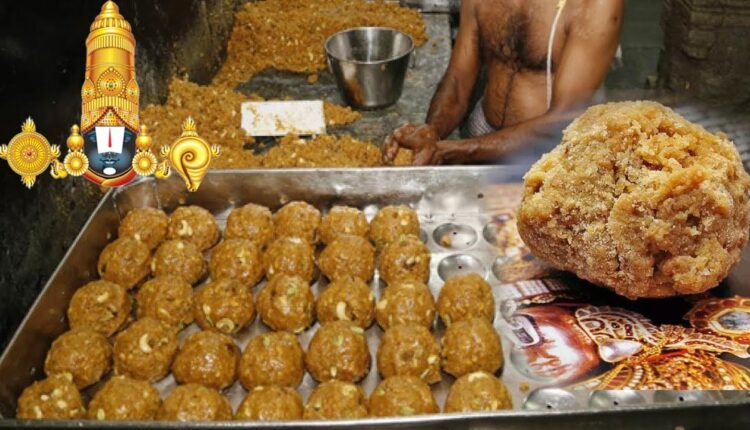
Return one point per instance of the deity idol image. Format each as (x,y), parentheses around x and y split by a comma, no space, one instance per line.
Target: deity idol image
(605,347)
(107,148)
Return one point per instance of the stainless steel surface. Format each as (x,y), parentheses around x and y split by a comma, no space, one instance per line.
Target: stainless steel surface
(460,264)
(550,399)
(686,396)
(498,266)
(489,232)
(606,399)
(434,6)
(447,200)
(455,236)
(369,64)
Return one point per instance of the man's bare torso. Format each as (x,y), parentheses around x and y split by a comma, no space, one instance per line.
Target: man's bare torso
(513,38)
(510,38)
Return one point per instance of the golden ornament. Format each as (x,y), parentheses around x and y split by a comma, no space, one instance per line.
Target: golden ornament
(666,357)
(143,141)
(145,163)
(190,155)
(75,140)
(723,316)
(109,94)
(76,163)
(29,153)
(57,169)
(110,91)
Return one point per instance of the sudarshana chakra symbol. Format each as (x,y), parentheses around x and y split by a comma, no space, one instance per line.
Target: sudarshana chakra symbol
(29,153)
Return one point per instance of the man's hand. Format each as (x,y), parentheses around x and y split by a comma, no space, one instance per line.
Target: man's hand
(420,139)
(390,147)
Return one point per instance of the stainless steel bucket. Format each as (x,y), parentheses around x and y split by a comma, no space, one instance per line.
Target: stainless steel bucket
(370,65)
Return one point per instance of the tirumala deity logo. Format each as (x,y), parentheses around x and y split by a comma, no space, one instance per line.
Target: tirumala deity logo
(109,119)
(110,147)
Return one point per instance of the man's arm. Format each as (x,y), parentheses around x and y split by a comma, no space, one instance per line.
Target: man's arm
(587,55)
(451,100)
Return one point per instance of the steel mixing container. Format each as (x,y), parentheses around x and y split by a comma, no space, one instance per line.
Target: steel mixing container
(370,65)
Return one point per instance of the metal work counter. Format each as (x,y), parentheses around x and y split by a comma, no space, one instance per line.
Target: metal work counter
(429,63)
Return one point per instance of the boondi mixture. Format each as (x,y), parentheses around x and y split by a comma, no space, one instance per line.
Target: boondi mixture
(286,35)
(289,34)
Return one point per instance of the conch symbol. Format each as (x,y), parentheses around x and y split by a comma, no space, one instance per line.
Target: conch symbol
(190,156)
